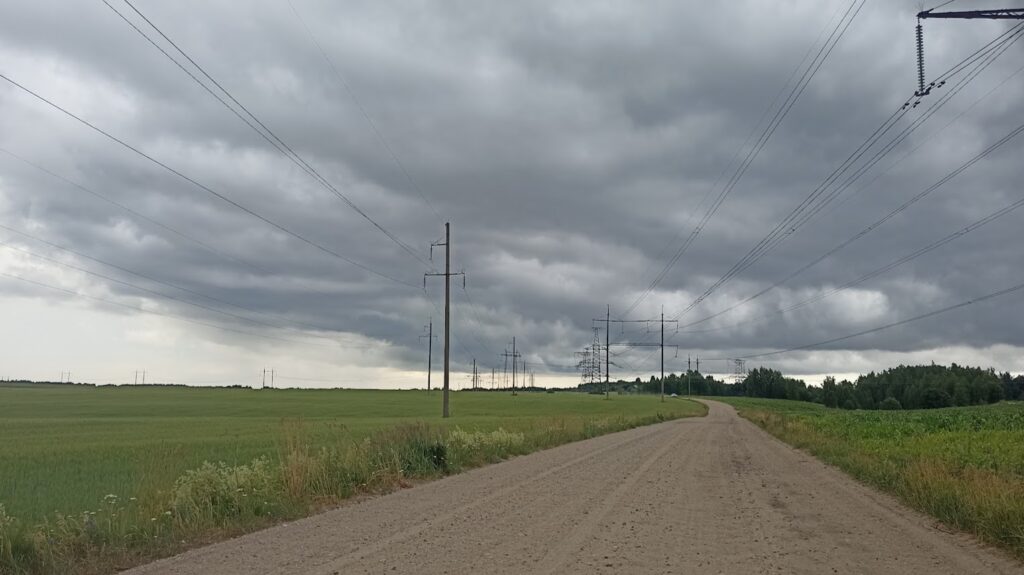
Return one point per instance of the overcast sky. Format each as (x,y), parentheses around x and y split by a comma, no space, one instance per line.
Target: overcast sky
(573,146)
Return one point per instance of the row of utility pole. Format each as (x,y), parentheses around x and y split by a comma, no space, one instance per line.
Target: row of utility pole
(592,359)
(514,356)
(588,360)
(607,344)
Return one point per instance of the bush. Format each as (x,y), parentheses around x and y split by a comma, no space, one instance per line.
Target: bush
(890,403)
(850,404)
(481,447)
(935,398)
(219,491)
(7,528)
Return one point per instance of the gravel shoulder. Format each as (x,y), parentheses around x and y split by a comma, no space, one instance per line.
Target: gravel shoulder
(701,495)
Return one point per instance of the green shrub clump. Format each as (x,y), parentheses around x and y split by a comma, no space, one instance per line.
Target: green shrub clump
(890,403)
(217,491)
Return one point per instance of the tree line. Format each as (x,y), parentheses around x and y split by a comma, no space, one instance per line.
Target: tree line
(902,387)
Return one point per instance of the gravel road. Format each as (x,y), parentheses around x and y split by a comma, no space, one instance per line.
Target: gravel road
(699,495)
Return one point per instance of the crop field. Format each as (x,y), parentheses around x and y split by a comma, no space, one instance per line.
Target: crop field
(963,465)
(66,447)
(129,453)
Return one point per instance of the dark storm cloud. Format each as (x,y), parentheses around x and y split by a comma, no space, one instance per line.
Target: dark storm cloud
(569,143)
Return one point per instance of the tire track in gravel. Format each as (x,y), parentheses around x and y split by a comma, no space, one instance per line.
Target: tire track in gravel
(337,564)
(557,556)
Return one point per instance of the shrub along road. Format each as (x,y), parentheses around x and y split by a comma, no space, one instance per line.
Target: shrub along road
(708,495)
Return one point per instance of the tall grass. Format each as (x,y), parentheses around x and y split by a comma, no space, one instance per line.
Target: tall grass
(218,499)
(964,466)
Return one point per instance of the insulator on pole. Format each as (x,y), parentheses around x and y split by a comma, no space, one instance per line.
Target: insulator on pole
(920,59)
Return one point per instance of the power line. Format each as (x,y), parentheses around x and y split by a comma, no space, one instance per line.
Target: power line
(136,214)
(748,260)
(205,188)
(273,139)
(808,74)
(146,311)
(883,269)
(807,209)
(1014,133)
(152,279)
(926,139)
(454,336)
(176,232)
(366,115)
(472,328)
(933,313)
(144,289)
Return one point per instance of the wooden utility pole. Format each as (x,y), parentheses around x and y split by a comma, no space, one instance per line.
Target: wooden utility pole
(514,364)
(430,349)
(447,243)
(663,354)
(607,347)
(447,311)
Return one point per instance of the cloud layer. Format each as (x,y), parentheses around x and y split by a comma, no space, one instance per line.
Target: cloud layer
(573,147)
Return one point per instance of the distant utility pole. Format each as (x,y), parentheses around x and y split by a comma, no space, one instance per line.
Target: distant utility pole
(476,376)
(263,382)
(662,322)
(589,360)
(447,243)
(272,378)
(504,371)
(689,375)
(607,360)
(143,377)
(430,348)
(492,377)
(136,377)
(514,356)
(739,371)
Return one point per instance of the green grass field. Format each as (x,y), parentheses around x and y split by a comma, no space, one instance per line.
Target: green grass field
(963,465)
(67,449)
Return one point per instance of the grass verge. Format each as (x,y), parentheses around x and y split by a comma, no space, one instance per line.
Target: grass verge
(309,469)
(964,465)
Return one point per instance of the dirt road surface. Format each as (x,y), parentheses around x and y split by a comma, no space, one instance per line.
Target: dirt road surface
(700,495)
